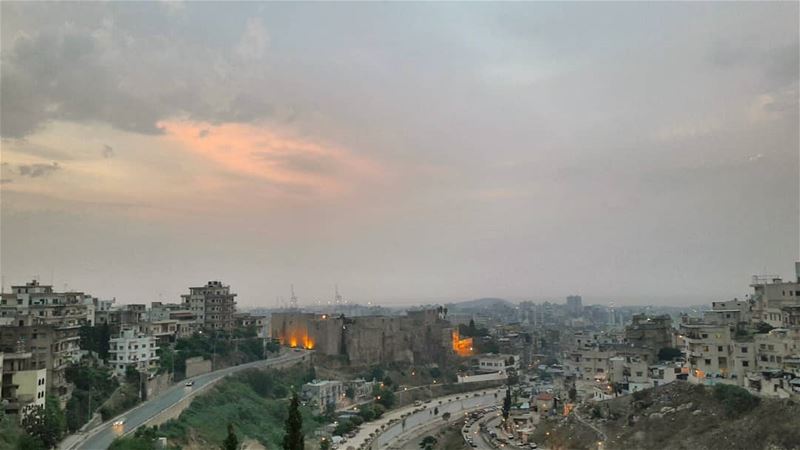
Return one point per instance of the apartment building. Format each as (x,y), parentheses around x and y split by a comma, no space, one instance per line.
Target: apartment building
(52,347)
(492,362)
(771,293)
(322,394)
(133,349)
(21,384)
(213,305)
(46,305)
(259,323)
(777,349)
(630,373)
(708,349)
(651,333)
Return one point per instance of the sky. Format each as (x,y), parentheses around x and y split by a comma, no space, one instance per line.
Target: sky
(408,152)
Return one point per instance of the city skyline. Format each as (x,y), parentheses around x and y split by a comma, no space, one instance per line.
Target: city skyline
(428,152)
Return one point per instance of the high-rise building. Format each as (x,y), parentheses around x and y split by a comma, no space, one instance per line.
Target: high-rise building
(575,304)
(212,304)
(133,349)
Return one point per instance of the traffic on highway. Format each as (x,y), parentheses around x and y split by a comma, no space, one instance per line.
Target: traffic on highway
(103,435)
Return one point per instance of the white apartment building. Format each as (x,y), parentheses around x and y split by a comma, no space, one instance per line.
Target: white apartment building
(321,393)
(133,349)
(492,362)
(631,372)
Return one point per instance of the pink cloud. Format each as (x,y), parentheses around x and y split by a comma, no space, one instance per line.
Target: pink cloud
(286,163)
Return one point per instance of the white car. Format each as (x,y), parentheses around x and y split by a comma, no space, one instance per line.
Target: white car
(189,383)
(119,422)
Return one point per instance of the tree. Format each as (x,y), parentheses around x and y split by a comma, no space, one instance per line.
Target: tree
(131,375)
(230,442)
(446,416)
(377,373)
(384,396)
(324,444)
(45,423)
(293,439)
(95,339)
(312,374)
(28,442)
(436,411)
(427,442)
(573,394)
(507,404)
(350,393)
(763,328)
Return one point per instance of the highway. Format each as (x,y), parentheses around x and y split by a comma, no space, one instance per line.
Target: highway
(406,422)
(100,437)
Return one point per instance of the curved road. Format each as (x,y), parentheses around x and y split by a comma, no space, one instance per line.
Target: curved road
(418,417)
(100,437)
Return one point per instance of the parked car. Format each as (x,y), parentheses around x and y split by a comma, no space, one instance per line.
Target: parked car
(189,383)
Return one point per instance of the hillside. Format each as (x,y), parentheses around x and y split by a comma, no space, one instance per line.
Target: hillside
(254,401)
(679,416)
(482,303)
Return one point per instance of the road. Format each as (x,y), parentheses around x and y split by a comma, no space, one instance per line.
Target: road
(411,419)
(100,437)
(481,439)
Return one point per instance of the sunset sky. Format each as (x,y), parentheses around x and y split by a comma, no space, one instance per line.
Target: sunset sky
(636,153)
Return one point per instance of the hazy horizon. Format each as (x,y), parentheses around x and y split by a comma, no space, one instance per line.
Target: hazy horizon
(621,151)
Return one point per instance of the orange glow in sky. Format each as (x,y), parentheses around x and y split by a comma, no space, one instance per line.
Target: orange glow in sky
(290,163)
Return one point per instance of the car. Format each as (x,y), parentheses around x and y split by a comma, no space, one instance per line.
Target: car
(473,444)
(120,422)
(189,383)
(533,445)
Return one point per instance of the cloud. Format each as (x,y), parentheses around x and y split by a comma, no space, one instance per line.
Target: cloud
(61,74)
(778,64)
(108,151)
(254,41)
(130,78)
(289,163)
(37,170)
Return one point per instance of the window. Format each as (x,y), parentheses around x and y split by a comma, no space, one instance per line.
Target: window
(708,362)
(744,349)
(745,363)
(719,348)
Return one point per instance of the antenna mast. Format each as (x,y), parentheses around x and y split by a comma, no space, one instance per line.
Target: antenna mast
(337,299)
(293,299)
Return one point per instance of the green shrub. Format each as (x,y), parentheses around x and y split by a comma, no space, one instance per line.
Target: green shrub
(735,400)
